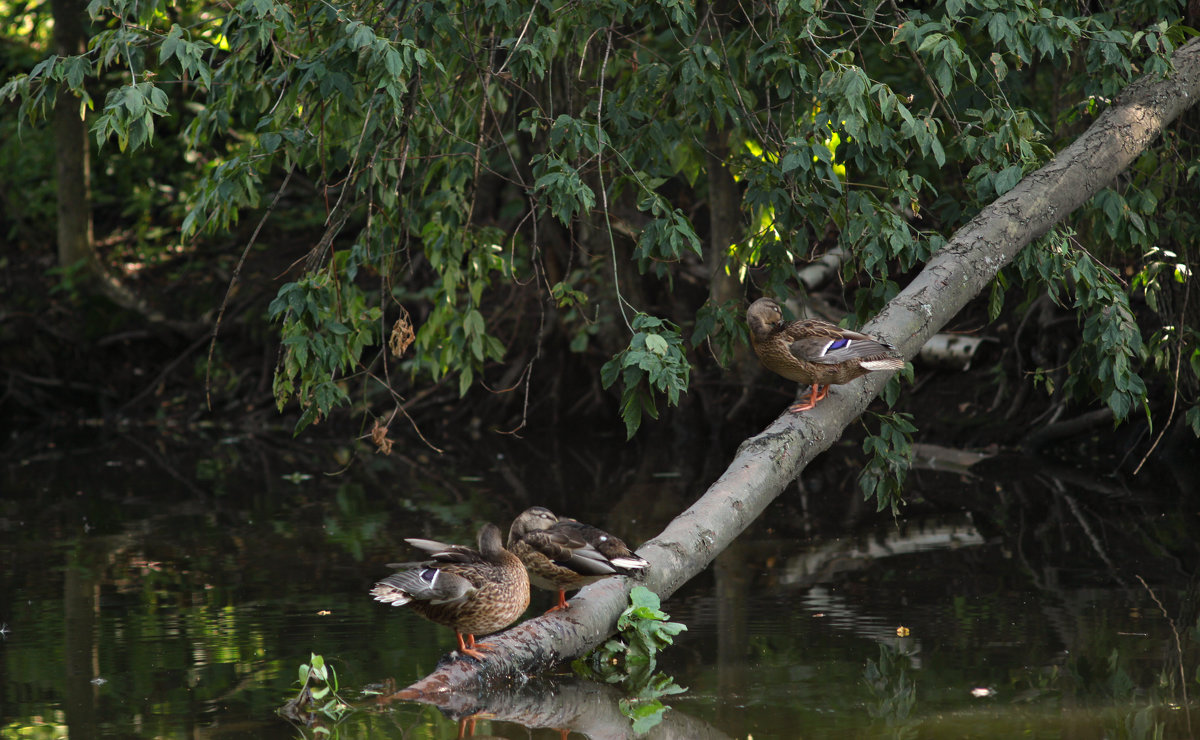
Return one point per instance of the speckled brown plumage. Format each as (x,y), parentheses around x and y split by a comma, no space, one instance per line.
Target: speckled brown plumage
(564,554)
(814,352)
(474,592)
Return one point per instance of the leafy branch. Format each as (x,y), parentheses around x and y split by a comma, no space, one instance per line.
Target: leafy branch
(653,361)
(890,457)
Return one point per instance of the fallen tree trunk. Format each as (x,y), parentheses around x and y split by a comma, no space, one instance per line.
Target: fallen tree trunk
(766,463)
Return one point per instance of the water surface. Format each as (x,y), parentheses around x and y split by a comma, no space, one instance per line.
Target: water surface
(163,588)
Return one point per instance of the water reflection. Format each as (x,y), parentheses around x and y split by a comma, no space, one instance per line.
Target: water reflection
(134,613)
(827,560)
(82,659)
(565,704)
(893,691)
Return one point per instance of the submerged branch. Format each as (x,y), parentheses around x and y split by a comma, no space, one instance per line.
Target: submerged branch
(766,463)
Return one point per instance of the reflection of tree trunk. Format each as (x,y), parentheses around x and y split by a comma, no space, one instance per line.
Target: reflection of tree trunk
(71,150)
(82,658)
(733,592)
(768,462)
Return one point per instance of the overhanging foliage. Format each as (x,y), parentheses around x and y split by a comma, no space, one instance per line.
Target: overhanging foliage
(471,158)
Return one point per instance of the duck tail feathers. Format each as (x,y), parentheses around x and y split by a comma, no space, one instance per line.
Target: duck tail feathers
(887,363)
(630,563)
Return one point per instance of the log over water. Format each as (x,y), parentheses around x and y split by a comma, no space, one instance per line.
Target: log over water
(766,463)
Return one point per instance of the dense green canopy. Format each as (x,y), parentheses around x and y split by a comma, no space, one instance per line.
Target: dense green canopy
(506,185)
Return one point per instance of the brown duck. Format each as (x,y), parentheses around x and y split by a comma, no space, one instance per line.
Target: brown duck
(814,352)
(563,554)
(474,592)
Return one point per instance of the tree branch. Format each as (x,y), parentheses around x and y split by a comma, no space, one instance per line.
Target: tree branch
(766,463)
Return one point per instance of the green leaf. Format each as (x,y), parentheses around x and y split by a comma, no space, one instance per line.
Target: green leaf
(1007,179)
(1193,421)
(643,598)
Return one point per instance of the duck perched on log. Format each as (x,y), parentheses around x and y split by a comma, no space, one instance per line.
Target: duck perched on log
(564,554)
(814,352)
(474,592)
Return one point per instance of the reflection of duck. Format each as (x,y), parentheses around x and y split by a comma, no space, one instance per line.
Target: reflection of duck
(563,554)
(471,591)
(569,704)
(814,352)
(466,728)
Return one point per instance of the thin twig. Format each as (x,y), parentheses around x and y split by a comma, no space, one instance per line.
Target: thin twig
(612,244)
(233,281)
(398,400)
(513,51)
(480,136)
(1187,712)
(1187,293)
(528,374)
(167,370)
(933,88)
(1113,273)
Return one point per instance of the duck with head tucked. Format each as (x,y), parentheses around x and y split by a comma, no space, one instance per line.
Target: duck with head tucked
(814,352)
(474,592)
(564,554)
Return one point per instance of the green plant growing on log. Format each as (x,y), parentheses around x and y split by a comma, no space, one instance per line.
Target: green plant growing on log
(643,629)
(318,695)
(630,658)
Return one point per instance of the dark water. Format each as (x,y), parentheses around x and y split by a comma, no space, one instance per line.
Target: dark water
(169,587)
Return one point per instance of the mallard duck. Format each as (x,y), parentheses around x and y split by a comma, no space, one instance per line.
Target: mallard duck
(564,554)
(814,352)
(474,592)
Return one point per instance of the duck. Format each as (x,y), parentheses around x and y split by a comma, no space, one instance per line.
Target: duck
(563,554)
(814,352)
(472,591)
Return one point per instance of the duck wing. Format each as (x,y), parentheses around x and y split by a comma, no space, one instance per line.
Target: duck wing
(568,549)
(434,585)
(445,553)
(611,547)
(828,344)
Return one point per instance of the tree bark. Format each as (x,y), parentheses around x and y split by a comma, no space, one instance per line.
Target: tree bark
(724,219)
(73,175)
(766,463)
(72,156)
